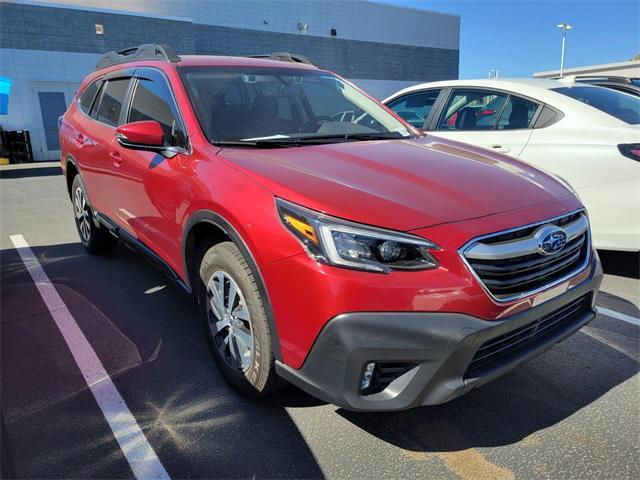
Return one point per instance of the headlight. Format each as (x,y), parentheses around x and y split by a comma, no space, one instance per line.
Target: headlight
(345,244)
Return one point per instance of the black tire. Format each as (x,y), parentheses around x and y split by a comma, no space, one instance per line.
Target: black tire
(94,238)
(220,265)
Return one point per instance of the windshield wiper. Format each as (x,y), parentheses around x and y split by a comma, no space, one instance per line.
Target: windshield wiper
(271,143)
(355,136)
(312,139)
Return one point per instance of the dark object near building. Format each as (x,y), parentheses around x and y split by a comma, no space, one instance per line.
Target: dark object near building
(18,145)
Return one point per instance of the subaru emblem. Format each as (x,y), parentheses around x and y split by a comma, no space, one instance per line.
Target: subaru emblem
(552,239)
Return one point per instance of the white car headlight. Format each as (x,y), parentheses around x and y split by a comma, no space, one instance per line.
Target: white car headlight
(341,243)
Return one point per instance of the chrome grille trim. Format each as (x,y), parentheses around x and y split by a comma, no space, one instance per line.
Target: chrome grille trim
(573,230)
(525,246)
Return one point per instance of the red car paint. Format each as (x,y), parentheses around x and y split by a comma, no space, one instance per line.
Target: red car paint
(442,190)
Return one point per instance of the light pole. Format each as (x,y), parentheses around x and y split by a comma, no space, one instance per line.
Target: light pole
(564,27)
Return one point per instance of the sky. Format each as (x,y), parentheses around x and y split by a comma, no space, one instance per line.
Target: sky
(520,37)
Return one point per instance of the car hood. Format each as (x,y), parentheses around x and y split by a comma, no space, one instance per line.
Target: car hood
(398,184)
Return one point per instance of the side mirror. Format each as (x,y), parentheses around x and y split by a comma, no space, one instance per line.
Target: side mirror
(145,135)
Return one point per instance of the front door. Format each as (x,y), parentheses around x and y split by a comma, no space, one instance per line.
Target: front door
(51,101)
(147,180)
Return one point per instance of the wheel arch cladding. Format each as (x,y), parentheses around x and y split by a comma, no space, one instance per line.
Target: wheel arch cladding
(207,226)
(71,172)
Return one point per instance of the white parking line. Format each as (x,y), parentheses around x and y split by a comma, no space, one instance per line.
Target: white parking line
(620,316)
(136,448)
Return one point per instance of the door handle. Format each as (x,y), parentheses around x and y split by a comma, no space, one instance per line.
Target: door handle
(500,148)
(116,158)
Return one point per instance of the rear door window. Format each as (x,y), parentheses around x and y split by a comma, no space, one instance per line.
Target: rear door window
(415,107)
(472,109)
(111,101)
(88,96)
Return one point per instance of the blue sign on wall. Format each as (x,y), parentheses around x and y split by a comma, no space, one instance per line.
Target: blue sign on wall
(5,88)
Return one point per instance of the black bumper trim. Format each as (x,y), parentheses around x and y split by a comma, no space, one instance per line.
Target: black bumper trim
(442,344)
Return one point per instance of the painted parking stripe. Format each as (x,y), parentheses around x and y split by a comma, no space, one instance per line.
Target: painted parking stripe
(136,448)
(620,316)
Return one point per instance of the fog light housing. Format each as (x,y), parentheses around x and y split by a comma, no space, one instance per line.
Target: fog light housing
(367,376)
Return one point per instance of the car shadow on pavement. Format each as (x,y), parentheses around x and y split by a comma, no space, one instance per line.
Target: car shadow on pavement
(14,173)
(149,338)
(536,395)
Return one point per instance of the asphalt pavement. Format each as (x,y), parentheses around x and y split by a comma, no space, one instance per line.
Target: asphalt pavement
(571,413)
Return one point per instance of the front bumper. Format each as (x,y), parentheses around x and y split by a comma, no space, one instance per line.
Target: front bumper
(442,345)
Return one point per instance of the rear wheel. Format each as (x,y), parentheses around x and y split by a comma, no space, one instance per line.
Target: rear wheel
(235,321)
(94,238)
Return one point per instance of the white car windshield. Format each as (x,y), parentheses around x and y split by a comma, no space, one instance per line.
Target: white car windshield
(621,105)
(280,105)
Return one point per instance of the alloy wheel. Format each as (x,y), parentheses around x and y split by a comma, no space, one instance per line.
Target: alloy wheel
(229,321)
(83,214)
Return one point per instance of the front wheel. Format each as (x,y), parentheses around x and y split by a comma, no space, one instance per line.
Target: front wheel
(235,321)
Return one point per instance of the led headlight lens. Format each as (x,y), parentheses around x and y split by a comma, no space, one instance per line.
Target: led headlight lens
(341,243)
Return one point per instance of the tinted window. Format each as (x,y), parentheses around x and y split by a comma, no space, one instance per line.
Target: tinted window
(623,106)
(517,113)
(87,97)
(472,110)
(415,107)
(112,100)
(153,101)
(251,103)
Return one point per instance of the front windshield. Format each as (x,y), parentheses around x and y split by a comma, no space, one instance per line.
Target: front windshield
(249,104)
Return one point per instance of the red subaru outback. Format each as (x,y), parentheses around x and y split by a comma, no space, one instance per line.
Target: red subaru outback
(325,240)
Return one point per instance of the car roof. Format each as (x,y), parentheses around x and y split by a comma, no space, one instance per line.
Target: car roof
(521,85)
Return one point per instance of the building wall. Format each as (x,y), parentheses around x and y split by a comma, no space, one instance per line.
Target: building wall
(630,69)
(54,46)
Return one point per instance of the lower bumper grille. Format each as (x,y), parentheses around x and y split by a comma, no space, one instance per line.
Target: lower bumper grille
(500,350)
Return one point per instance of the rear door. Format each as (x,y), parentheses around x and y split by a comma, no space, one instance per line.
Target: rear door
(99,164)
(488,118)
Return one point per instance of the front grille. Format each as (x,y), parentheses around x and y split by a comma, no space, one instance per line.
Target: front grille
(500,350)
(511,264)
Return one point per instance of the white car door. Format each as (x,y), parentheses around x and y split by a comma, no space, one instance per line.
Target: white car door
(487,118)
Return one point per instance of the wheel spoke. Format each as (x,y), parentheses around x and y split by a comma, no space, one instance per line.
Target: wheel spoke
(233,349)
(221,324)
(241,312)
(216,300)
(243,337)
(216,304)
(222,346)
(233,293)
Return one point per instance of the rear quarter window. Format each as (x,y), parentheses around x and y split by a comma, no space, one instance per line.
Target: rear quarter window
(88,96)
(620,105)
